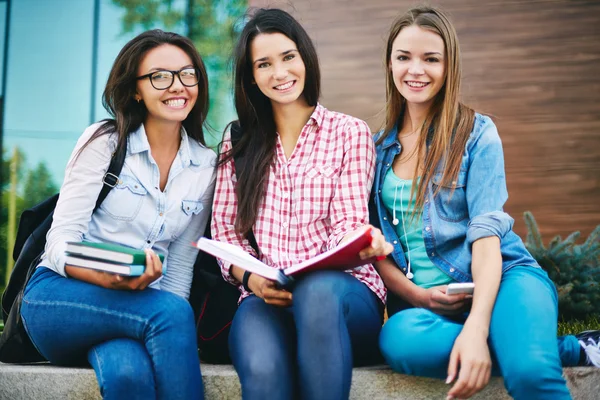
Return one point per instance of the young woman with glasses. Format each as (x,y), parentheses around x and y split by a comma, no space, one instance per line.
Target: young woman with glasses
(302,189)
(137,332)
(439,193)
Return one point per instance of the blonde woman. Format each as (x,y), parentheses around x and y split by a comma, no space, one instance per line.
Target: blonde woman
(438,196)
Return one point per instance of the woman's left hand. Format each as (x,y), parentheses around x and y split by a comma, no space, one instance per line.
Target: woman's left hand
(379,247)
(152,272)
(472,354)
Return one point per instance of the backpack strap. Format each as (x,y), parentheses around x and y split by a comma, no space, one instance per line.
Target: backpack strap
(111,178)
(239,160)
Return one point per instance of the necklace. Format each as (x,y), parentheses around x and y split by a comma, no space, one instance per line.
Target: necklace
(395,221)
(408,134)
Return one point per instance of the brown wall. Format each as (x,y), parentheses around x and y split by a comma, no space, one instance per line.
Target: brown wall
(533,65)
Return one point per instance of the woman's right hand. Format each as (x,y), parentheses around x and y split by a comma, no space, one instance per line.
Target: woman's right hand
(436,300)
(269,291)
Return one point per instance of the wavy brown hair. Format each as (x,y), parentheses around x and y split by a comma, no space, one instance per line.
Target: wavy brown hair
(118,97)
(255,113)
(449,123)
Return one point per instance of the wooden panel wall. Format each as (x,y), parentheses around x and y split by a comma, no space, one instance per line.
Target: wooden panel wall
(534,65)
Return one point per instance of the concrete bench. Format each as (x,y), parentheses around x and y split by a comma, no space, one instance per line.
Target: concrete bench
(43,381)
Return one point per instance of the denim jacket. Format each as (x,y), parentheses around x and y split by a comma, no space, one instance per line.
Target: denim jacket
(452,223)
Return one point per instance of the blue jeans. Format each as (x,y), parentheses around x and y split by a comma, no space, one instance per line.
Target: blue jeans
(522,338)
(310,347)
(142,344)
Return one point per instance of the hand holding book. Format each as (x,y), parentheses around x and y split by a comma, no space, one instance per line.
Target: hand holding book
(379,248)
(269,291)
(112,258)
(101,276)
(356,249)
(153,271)
(111,280)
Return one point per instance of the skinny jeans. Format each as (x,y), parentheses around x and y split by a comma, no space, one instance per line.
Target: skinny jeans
(141,344)
(306,350)
(522,338)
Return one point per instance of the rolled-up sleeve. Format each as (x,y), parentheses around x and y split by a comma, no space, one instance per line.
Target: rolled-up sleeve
(486,184)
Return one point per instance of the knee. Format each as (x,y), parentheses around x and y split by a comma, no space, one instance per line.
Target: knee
(173,312)
(393,345)
(399,342)
(320,286)
(320,293)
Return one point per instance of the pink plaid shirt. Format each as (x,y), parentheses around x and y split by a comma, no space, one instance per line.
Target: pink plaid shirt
(313,199)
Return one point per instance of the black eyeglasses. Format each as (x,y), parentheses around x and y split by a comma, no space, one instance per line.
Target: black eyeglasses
(163,78)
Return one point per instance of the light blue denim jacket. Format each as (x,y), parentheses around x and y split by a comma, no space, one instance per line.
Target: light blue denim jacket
(136,213)
(452,223)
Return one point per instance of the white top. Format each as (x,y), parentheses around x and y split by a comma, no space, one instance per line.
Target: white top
(136,213)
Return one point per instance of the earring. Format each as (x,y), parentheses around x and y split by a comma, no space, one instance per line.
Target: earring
(138,100)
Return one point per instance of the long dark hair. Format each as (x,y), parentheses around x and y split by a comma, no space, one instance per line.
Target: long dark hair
(118,97)
(255,112)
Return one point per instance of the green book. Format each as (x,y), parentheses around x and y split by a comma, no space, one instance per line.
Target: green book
(113,268)
(108,252)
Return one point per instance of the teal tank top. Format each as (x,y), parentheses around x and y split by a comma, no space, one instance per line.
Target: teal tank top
(395,194)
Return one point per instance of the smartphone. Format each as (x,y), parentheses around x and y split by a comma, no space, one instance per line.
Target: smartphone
(457,288)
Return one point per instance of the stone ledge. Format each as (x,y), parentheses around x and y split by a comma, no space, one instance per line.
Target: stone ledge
(43,381)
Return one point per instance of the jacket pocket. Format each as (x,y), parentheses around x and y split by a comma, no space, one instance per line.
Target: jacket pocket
(450,200)
(125,200)
(188,209)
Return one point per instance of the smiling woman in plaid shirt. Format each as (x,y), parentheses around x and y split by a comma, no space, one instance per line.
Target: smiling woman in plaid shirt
(303,188)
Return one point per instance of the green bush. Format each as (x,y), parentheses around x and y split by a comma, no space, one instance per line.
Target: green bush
(574,268)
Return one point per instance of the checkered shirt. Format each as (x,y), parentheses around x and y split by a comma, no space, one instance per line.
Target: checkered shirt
(313,199)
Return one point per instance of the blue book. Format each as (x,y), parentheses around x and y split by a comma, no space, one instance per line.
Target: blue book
(109,252)
(114,268)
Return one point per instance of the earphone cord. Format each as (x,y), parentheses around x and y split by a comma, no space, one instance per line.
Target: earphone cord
(408,274)
(395,220)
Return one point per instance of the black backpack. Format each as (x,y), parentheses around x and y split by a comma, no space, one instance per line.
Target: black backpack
(15,345)
(213,299)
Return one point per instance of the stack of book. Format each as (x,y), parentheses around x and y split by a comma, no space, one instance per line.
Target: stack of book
(106,257)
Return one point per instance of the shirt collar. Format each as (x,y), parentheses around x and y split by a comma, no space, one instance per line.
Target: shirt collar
(138,142)
(188,156)
(318,115)
(392,138)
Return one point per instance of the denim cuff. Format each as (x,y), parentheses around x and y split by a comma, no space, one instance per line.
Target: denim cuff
(495,223)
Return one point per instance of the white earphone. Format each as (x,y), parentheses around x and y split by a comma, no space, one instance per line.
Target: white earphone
(395,221)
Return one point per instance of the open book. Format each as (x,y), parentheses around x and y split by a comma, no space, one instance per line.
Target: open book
(344,256)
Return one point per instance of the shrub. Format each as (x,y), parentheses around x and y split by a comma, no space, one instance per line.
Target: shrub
(574,268)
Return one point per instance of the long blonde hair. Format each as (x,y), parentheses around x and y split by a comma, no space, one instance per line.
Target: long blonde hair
(450,121)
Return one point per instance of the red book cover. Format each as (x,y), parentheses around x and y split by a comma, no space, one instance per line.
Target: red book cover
(345,256)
